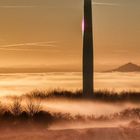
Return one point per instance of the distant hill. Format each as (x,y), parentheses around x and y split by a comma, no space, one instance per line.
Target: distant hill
(129,67)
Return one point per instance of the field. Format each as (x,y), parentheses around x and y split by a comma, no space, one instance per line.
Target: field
(68,114)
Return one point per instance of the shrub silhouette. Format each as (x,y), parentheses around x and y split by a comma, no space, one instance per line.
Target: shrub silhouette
(16,107)
(33,106)
(32,112)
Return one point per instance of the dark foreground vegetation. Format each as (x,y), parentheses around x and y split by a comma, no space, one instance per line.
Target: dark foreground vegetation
(28,115)
(100,95)
(31,114)
(45,119)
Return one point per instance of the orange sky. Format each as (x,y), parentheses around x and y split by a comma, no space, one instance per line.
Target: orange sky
(48,32)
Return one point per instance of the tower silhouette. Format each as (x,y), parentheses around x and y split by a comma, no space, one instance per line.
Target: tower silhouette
(87,50)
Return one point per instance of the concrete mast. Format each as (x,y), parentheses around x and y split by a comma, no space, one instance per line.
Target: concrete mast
(88,50)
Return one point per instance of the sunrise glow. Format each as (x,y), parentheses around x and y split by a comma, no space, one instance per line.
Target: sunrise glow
(83,26)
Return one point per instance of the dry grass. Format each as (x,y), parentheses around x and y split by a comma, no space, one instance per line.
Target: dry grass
(28,113)
(32,110)
(100,95)
(33,106)
(32,113)
(16,107)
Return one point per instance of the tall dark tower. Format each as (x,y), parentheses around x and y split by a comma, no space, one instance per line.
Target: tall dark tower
(87,50)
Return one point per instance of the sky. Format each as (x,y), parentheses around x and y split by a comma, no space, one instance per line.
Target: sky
(47,33)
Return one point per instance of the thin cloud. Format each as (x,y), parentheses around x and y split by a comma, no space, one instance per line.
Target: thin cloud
(18,6)
(28,46)
(105,4)
(48,44)
(12,49)
(24,49)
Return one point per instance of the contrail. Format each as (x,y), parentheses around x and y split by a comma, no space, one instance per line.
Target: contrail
(16,49)
(12,6)
(47,44)
(25,46)
(32,6)
(105,4)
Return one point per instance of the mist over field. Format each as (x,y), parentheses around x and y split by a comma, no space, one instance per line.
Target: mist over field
(20,83)
(30,108)
(64,118)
